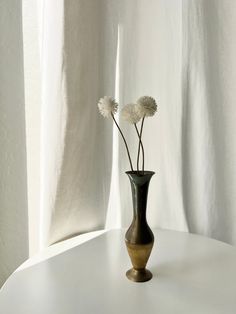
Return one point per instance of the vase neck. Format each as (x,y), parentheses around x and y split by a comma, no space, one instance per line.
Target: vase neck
(139,186)
(139,231)
(139,197)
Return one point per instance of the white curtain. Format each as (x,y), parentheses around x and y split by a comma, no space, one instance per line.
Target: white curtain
(208,118)
(179,51)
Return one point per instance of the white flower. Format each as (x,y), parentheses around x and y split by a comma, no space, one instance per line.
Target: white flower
(146,106)
(130,113)
(107,106)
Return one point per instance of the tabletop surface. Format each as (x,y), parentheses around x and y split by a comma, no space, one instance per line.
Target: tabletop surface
(191,274)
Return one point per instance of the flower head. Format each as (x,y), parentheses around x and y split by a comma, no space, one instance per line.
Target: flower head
(130,113)
(146,106)
(107,106)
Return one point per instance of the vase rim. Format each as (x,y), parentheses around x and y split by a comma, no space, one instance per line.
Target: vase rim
(140,172)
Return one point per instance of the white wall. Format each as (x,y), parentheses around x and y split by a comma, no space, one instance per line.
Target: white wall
(13,175)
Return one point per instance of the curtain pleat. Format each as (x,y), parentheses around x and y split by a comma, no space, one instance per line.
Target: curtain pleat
(208,127)
(88,69)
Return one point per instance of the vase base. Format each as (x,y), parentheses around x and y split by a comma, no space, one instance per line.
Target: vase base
(140,275)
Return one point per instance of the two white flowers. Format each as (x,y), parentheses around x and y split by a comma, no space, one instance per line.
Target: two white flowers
(133,113)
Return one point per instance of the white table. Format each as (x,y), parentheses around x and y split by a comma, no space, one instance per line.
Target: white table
(192,274)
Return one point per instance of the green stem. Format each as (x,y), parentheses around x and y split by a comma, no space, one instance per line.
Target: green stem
(126,145)
(136,128)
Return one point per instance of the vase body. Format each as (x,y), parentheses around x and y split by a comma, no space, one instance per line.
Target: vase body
(139,238)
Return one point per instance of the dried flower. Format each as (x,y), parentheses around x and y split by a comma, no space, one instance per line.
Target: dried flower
(147,106)
(107,106)
(130,113)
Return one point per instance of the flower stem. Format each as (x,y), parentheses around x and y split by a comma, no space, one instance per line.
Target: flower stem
(126,145)
(140,140)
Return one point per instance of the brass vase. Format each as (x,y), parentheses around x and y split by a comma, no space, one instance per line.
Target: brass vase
(139,238)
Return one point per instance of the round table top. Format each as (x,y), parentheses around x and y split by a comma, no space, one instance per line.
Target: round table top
(191,274)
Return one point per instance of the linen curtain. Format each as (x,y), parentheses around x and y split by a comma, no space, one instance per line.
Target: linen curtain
(180,52)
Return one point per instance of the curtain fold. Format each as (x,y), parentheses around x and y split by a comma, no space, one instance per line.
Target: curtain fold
(88,68)
(54,111)
(208,144)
